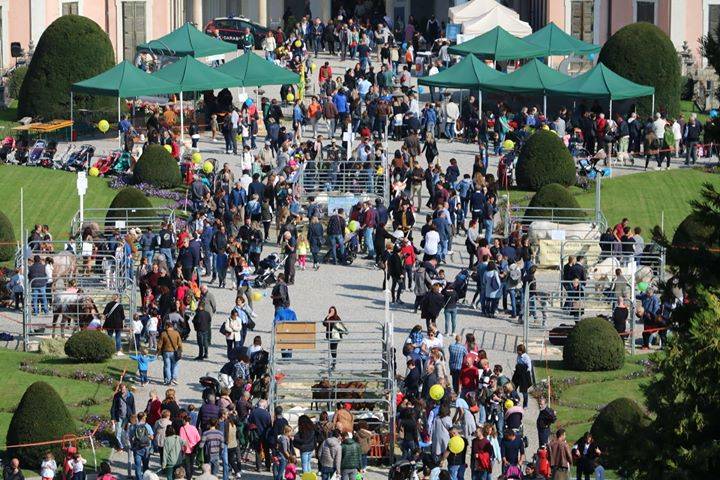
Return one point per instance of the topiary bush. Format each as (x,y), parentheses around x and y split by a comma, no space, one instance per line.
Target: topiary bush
(16,80)
(593,345)
(643,53)
(691,235)
(550,200)
(615,429)
(40,416)
(157,167)
(7,239)
(92,346)
(544,159)
(71,49)
(129,200)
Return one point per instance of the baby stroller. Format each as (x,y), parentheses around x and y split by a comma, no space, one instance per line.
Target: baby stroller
(211,387)
(105,163)
(46,160)
(266,271)
(6,147)
(352,248)
(80,159)
(403,470)
(21,151)
(36,153)
(587,171)
(460,284)
(514,422)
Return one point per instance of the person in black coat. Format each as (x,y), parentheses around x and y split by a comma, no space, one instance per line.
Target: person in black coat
(396,273)
(431,305)
(316,238)
(122,408)
(114,316)
(259,424)
(412,380)
(586,451)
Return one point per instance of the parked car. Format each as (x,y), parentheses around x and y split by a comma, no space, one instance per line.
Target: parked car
(232,29)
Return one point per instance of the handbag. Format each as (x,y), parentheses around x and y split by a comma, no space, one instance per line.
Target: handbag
(177,351)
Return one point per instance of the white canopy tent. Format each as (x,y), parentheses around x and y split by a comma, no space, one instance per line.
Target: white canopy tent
(497,17)
(474,9)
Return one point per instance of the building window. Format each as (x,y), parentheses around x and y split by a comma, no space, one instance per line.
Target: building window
(133,25)
(713,18)
(581,20)
(645,11)
(70,8)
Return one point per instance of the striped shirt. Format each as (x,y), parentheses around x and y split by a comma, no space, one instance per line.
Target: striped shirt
(457,353)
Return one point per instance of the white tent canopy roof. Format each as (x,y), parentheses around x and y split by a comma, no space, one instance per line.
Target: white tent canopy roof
(476,8)
(497,16)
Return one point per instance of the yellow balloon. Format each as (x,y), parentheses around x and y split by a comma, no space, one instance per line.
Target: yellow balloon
(309,476)
(196,158)
(509,404)
(103,126)
(456,444)
(298,43)
(437,392)
(313,66)
(353,225)
(290,97)
(545,127)
(207,167)
(508,145)
(94,172)
(256,296)
(168,148)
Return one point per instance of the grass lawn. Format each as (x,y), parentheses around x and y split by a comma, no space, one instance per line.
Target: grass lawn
(687,107)
(579,396)
(8,119)
(50,197)
(82,398)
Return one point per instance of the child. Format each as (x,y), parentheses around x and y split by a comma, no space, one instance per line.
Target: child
(303,246)
(143,361)
(214,127)
(137,327)
(152,330)
(291,469)
(77,464)
(599,470)
(48,467)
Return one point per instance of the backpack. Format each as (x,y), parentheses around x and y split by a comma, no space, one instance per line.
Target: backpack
(515,274)
(483,461)
(494,283)
(140,438)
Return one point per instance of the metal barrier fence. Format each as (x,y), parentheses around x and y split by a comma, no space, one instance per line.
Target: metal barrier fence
(311,373)
(513,214)
(601,259)
(121,218)
(344,176)
(551,304)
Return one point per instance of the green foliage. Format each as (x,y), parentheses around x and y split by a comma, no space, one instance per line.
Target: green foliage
(544,159)
(710,48)
(615,429)
(16,80)
(644,54)
(691,236)
(7,238)
(687,84)
(40,416)
(711,130)
(594,345)
(157,167)
(71,49)
(553,196)
(128,201)
(92,346)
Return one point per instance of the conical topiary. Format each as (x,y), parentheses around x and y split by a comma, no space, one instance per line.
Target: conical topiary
(40,416)
(128,203)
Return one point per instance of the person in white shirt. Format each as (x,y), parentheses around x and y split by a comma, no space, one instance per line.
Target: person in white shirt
(152,330)
(434,70)
(451,112)
(677,133)
(432,242)
(414,107)
(246,159)
(659,127)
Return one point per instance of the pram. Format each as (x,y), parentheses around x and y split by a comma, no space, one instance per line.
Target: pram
(212,387)
(80,159)
(36,153)
(587,170)
(46,159)
(352,248)
(7,146)
(105,164)
(460,284)
(21,151)
(267,269)
(403,470)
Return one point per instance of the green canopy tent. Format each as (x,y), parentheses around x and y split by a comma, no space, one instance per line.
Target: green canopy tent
(554,41)
(253,71)
(122,81)
(601,82)
(192,75)
(498,44)
(534,77)
(470,72)
(187,40)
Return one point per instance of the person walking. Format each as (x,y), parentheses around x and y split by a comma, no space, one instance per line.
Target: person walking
(170,348)
(560,456)
(350,457)
(329,460)
(140,435)
(122,408)
(114,316)
(202,322)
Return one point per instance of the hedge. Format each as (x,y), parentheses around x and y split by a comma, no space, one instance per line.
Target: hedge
(93,346)
(7,239)
(129,200)
(644,54)
(594,345)
(16,80)
(691,235)
(71,49)
(157,167)
(549,199)
(40,416)
(544,159)
(615,429)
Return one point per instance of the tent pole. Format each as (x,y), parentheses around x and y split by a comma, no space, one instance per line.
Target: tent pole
(609,152)
(545,106)
(652,113)
(182,125)
(480,110)
(72,102)
(119,119)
